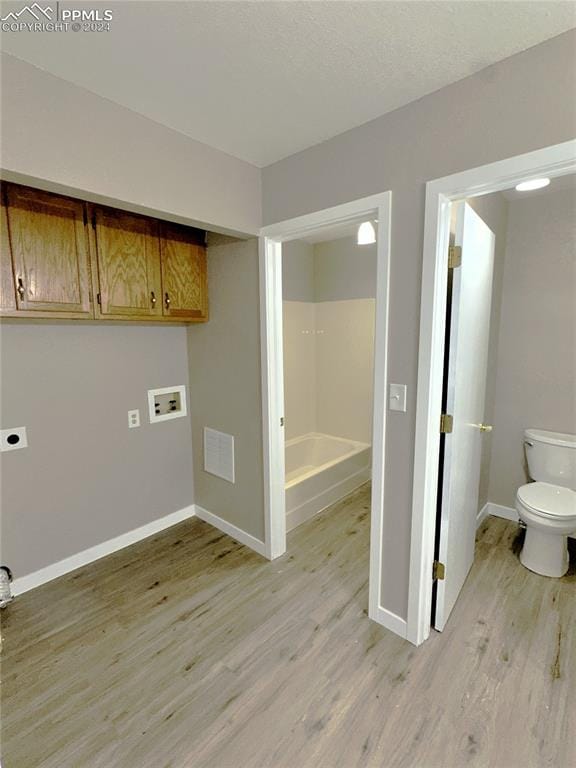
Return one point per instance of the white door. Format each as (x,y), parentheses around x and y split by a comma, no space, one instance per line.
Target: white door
(465,390)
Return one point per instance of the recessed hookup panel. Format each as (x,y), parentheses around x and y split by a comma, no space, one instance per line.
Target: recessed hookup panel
(166,403)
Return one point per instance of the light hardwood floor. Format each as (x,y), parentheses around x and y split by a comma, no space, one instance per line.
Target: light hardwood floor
(189,651)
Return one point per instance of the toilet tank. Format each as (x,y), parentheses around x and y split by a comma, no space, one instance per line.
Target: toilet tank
(551,457)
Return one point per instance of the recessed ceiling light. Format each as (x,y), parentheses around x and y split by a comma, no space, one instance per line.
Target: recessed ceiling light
(366,233)
(528,186)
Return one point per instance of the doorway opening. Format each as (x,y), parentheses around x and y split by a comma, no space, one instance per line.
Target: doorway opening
(344,438)
(455,362)
(329,298)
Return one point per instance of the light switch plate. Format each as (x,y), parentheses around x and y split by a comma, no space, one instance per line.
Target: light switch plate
(13,439)
(133,419)
(397,397)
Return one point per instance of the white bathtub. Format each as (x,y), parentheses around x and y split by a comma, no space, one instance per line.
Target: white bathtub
(320,469)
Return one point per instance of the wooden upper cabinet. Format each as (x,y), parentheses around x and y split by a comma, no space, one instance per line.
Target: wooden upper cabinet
(61,257)
(128,256)
(7,286)
(184,280)
(49,253)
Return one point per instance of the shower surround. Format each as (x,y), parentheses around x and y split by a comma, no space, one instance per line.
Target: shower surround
(328,316)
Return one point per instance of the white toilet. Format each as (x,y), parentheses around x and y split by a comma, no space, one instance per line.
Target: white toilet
(548,506)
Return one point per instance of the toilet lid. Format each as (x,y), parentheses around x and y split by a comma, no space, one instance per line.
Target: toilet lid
(548,500)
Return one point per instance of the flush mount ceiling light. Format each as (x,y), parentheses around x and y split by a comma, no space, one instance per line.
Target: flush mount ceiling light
(366,233)
(528,186)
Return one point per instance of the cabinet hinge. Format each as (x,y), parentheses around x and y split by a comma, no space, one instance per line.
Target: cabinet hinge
(93,219)
(438,571)
(84,215)
(99,299)
(446,423)
(454,256)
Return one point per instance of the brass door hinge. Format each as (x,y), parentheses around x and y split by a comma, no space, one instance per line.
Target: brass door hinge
(446,423)
(454,256)
(438,571)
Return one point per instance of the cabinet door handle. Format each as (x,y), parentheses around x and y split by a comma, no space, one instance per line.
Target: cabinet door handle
(21,290)
(153,299)
(167,301)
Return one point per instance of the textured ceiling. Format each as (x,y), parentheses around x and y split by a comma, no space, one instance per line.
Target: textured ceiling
(262,80)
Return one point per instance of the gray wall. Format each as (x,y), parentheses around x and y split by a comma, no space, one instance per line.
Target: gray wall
(536,368)
(65,138)
(85,476)
(225,391)
(297,271)
(50,129)
(521,104)
(344,270)
(331,270)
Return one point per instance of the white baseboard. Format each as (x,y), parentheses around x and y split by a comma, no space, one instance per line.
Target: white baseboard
(53,571)
(499,510)
(48,573)
(506,513)
(236,533)
(482,515)
(390,621)
(496,510)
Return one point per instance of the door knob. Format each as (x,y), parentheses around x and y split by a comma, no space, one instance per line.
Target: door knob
(485,427)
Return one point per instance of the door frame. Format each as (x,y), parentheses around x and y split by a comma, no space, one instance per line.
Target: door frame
(272,363)
(553,161)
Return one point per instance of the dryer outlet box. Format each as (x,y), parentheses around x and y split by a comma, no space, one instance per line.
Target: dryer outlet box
(13,439)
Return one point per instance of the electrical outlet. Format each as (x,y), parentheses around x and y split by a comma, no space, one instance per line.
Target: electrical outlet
(133,419)
(12,439)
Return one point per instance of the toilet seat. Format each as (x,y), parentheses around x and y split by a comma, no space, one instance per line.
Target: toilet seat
(548,501)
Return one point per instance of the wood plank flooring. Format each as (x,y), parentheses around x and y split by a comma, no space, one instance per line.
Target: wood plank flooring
(189,651)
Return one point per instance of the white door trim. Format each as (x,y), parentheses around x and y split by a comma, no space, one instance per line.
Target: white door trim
(272,372)
(556,160)
(271,238)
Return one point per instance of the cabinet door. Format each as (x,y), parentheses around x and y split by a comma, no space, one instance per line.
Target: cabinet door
(128,256)
(7,288)
(184,283)
(49,253)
